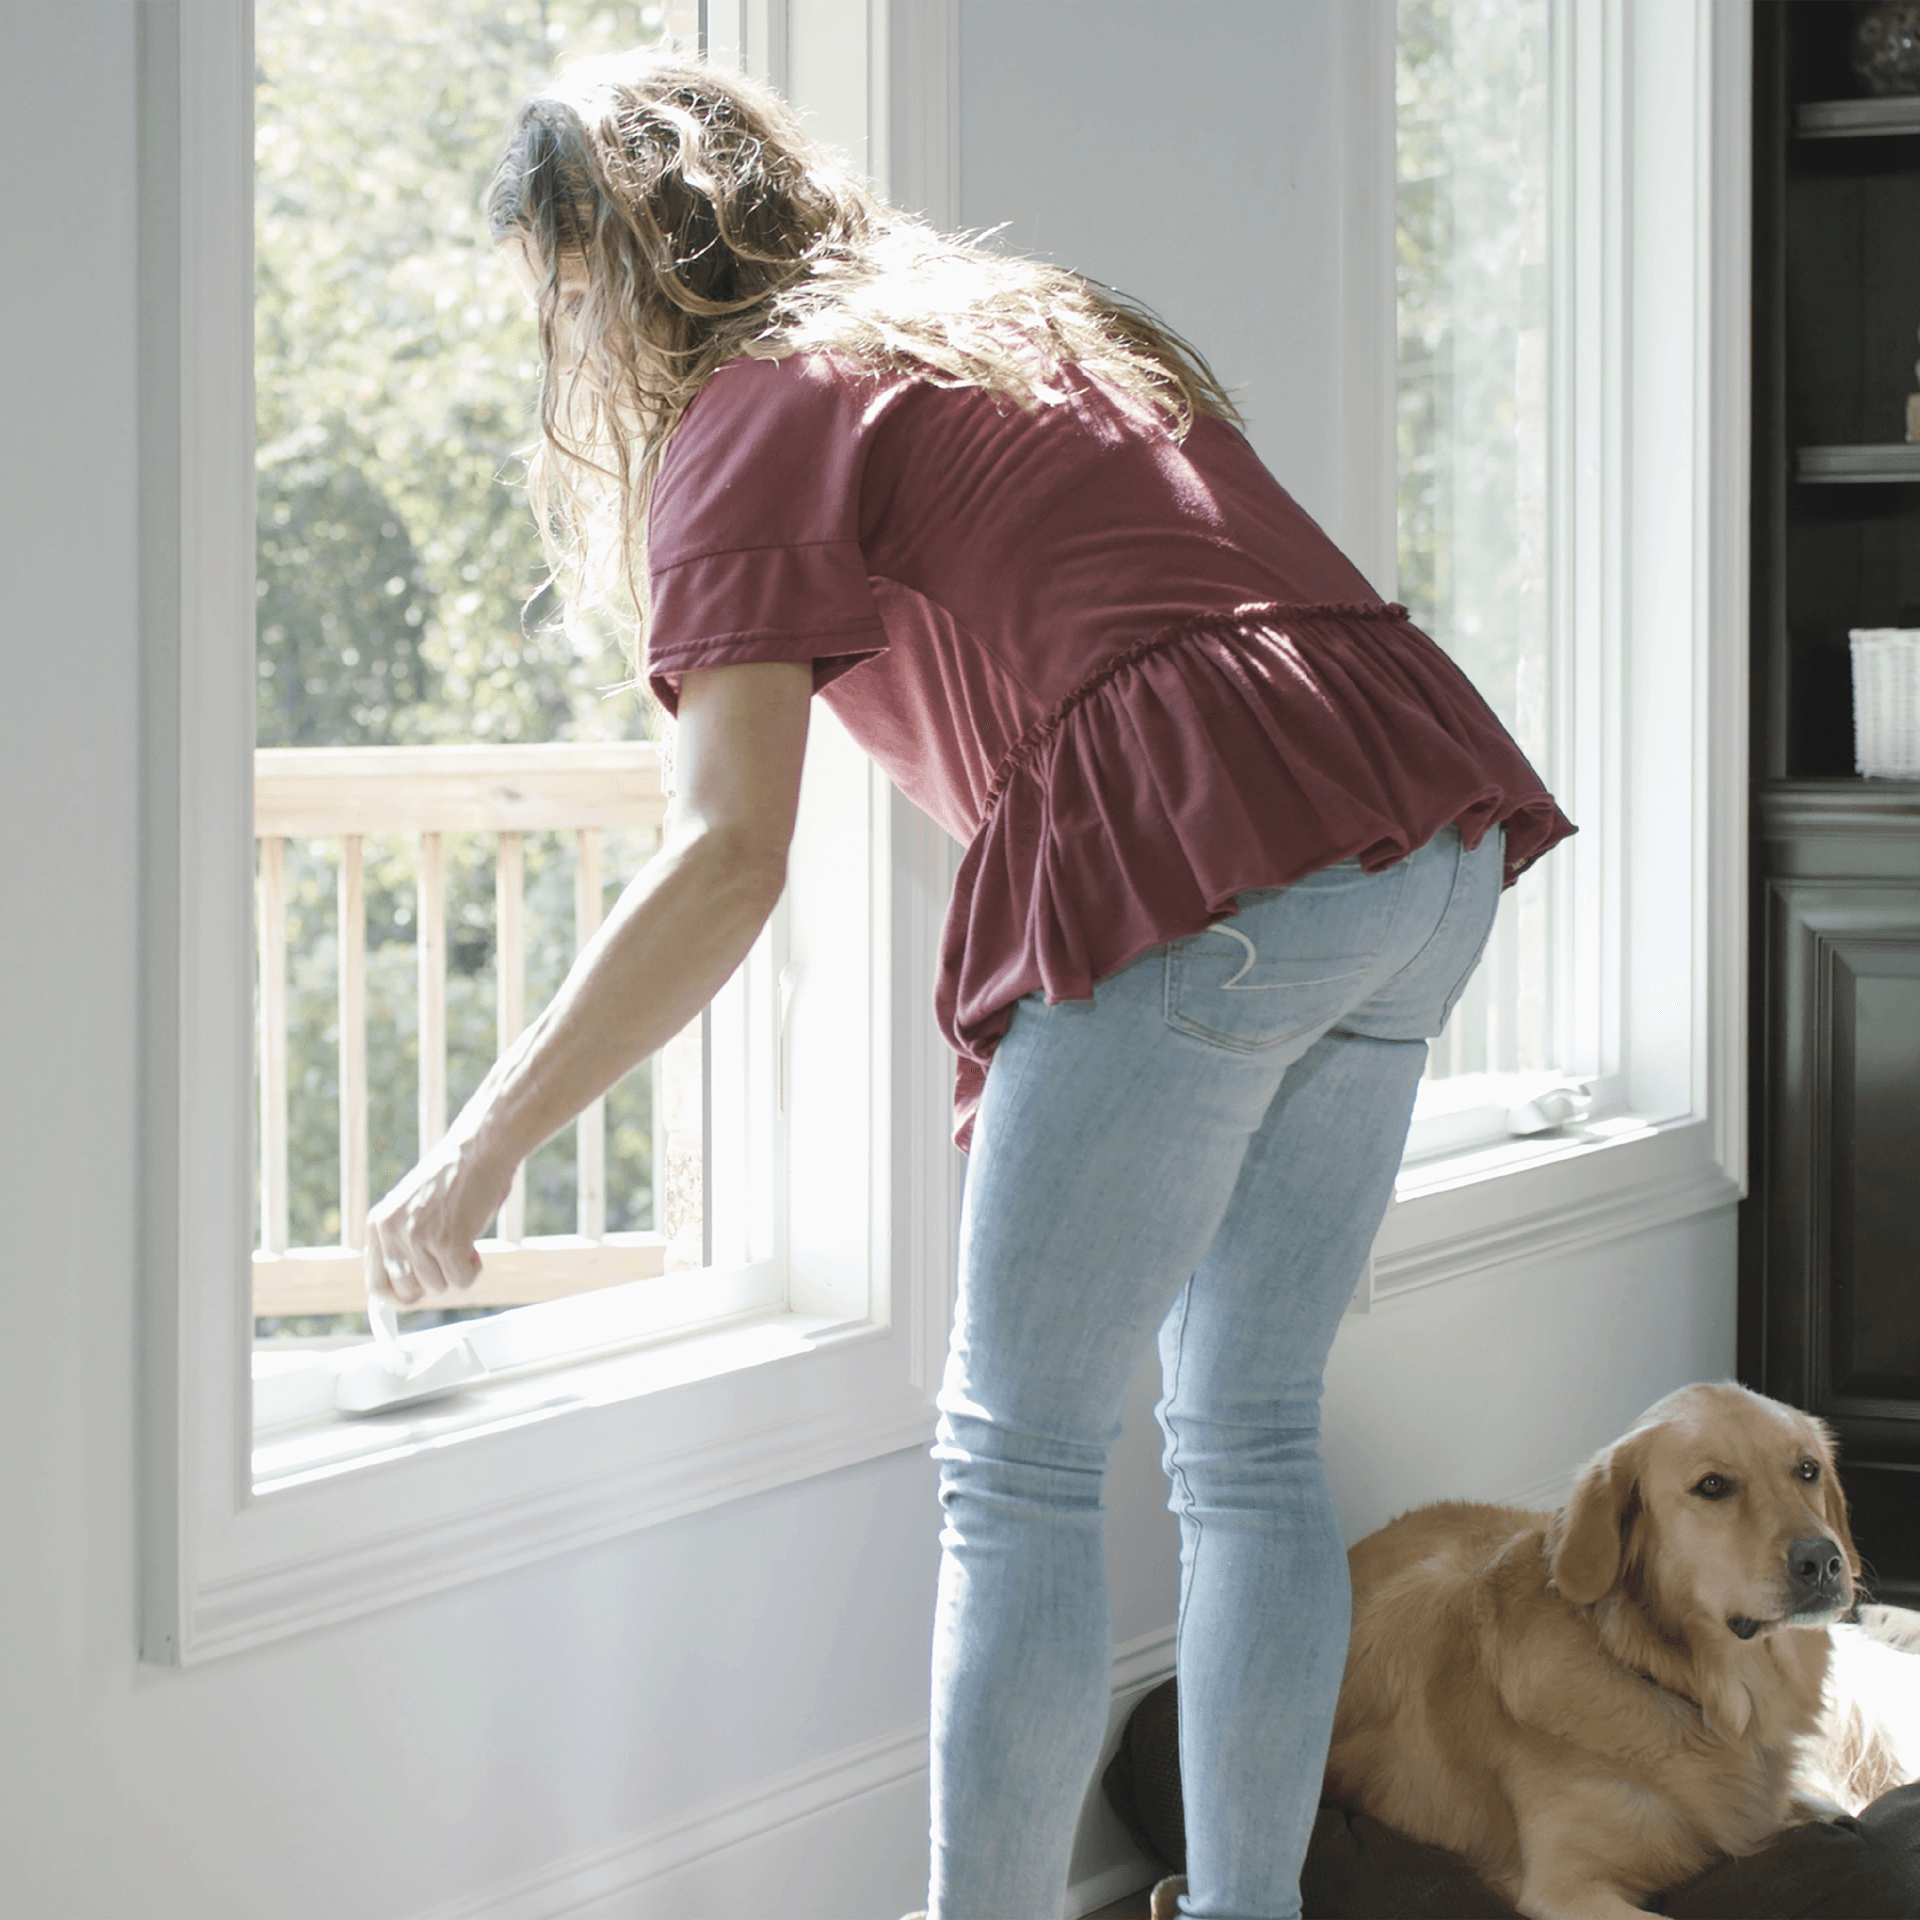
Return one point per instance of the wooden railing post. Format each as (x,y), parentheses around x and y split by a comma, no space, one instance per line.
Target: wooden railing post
(510,992)
(679,1155)
(352,939)
(272,930)
(590,1130)
(430,950)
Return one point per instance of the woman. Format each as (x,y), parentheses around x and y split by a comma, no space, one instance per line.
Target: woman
(1235,834)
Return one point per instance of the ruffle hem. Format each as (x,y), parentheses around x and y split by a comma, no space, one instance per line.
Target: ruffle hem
(1232,752)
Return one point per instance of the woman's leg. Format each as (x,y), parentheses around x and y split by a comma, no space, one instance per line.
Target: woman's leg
(1263,1571)
(1264,1599)
(1104,1158)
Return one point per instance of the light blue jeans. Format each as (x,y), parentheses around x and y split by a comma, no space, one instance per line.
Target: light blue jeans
(1207,1146)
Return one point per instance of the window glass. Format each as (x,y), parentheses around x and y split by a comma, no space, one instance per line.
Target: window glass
(1474,155)
(406,928)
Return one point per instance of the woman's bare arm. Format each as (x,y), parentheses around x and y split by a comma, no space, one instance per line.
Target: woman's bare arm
(669,945)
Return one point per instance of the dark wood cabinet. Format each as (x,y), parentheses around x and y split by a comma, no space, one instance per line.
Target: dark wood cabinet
(1830,1237)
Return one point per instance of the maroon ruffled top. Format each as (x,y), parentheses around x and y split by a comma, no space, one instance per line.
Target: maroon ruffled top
(1128,672)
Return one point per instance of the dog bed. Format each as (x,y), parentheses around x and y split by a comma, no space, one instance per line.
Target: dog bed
(1864,1868)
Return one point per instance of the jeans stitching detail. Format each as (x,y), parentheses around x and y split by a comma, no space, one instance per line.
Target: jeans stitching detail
(1240,1043)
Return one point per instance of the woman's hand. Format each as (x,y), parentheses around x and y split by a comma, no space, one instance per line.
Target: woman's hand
(420,1238)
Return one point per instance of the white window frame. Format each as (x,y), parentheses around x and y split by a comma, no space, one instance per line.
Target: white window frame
(1652,228)
(866,1181)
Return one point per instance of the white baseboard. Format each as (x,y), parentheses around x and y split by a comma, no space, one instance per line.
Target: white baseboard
(1543,1495)
(841,1838)
(1106,1863)
(657,1870)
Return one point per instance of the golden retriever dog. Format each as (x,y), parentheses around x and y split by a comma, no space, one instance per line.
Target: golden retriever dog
(1593,1704)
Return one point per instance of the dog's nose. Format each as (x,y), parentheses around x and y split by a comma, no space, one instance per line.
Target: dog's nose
(1817,1565)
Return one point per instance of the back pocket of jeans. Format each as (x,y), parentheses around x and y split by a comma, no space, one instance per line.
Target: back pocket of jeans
(1288,961)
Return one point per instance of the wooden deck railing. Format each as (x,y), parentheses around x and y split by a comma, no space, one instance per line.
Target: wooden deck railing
(343,794)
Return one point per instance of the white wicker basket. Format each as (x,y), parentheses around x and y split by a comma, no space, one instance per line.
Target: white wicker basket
(1886,701)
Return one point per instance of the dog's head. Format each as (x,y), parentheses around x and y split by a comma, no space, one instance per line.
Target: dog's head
(1718,1517)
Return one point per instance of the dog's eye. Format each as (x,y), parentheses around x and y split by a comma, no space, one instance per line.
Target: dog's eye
(1809,1470)
(1713,1486)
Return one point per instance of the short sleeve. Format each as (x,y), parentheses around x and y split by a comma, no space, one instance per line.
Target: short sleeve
(753,541)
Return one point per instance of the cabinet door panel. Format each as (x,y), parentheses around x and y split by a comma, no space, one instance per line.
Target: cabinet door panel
(1873,1038)
(1843,1210)
(1842,1200)
(1841,1282)
(1884,1502)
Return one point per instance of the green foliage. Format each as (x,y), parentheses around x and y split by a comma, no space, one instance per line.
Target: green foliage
(396,372)
(400,585)
(340,603)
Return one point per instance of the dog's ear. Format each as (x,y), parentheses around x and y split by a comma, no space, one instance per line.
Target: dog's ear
(1588,1543)
(1833,1499)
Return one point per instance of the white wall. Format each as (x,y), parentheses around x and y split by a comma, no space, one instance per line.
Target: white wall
(1195,156)
(581,1733)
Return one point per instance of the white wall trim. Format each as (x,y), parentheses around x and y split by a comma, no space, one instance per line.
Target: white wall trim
(667,1847)
(1143,1663)
(1723,355)
(928,1180)
(1541,1496)
(628,1869)
(923,147)
(749,36)
(196,503)
(1591,1194)
(1112,1883)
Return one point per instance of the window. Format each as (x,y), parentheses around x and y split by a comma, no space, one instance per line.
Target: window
(807,1328)
(443,799)
(1570,261)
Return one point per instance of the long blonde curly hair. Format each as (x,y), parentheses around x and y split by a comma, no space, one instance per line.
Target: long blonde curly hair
(709,226)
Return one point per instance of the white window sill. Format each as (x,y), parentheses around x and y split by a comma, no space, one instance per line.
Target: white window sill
(352,1514)
(302,1452)
(296,1385)
(1466,1112)
(1549,1194)
(1490,1157)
